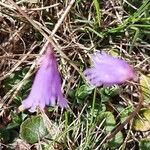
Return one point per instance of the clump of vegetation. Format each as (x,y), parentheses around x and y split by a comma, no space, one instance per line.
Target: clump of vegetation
(114,117)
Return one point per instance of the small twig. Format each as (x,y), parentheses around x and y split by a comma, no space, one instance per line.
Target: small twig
(60,20)
(16,65)
(46,7)
(127,137)
(18,86)
(62,17)
(7,6)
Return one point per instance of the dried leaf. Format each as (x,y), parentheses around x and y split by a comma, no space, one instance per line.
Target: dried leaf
(145,86)
(142,121)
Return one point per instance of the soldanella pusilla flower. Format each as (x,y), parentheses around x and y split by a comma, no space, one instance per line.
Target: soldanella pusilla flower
(46,88)
(108,70)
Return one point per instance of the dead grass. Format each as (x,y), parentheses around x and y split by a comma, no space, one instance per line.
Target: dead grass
(74,30)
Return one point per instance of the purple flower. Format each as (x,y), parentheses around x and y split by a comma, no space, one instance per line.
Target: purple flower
(46,88)
(108,70)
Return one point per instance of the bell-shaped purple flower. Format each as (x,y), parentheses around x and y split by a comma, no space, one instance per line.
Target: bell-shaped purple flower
(108,70)
(46,88)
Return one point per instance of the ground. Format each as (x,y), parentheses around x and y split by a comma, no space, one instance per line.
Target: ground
(115,117)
